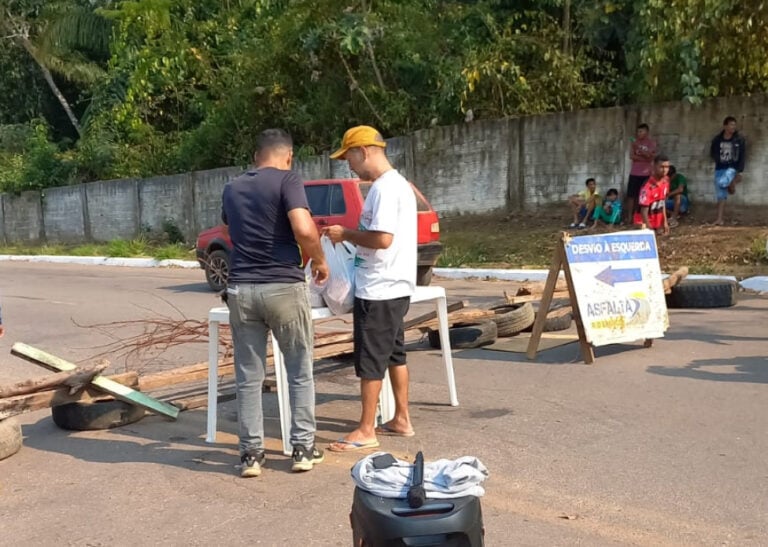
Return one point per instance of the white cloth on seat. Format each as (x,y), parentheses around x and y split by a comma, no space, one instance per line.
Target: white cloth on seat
(443,479)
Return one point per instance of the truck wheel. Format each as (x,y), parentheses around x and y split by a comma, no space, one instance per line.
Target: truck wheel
(96,415)
(217,270)
(10,438)
(703,293)
(423,276)
(466,336)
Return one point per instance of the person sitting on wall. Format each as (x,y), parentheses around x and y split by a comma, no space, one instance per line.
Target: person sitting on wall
(677,199)
(610,212)
(584,203)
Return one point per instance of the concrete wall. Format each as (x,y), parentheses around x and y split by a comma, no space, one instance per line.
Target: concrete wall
(475,167)
(23,217)
(168,199)
(208,186)
(64,214)
(113,209)
(463,168)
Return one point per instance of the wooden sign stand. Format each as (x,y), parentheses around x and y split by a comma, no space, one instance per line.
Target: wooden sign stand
(559,262)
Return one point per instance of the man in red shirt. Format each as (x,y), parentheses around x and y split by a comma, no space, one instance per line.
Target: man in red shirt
(653,196)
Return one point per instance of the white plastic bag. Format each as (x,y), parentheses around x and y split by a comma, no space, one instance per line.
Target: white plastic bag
(339,293)
(315,291)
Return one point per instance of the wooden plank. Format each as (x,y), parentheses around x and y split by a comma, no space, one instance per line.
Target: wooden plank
(201,401)
(182,375)
(587,351)
(13,406)
(74,379)
(117,390)
(432,316)
(674,279)
(558,258)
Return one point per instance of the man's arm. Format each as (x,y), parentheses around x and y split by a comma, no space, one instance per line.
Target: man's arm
(305,232)
(369,239)
(714,150)
(644,214)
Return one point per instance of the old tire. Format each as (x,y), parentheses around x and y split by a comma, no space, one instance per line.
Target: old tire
(555,323)
(10,437)
(513,318)
(466,336)
(96,415)
(423,276)
(217,270)
(703,293)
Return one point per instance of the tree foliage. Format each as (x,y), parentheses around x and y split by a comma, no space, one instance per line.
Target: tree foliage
(157,86)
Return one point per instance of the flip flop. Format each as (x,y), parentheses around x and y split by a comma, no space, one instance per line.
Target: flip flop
(385,430)
(352,446)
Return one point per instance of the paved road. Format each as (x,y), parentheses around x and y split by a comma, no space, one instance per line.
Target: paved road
(659,446)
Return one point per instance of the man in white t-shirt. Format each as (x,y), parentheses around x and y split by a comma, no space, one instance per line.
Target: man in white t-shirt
(385,278)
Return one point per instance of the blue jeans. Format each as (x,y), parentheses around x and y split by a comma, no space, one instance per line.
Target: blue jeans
(254,309)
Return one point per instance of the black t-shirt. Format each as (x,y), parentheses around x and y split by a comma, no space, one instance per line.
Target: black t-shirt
(255,205)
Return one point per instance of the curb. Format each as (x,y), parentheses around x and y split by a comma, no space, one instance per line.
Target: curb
(758,283)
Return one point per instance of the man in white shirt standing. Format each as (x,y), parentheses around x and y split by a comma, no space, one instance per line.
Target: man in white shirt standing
(385,278)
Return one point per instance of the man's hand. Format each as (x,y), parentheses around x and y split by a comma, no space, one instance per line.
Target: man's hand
(2,331)
(335,233)
(320,271)
(666,227)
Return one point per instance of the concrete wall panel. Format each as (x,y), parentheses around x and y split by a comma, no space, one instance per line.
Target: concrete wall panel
(63,215)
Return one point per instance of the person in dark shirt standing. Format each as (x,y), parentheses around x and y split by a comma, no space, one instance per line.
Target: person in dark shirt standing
(641,152)
(728,150)
(269,223)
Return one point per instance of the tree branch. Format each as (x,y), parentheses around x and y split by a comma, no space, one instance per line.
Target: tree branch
(357,86)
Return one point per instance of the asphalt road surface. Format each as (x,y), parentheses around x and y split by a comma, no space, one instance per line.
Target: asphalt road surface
(657,446)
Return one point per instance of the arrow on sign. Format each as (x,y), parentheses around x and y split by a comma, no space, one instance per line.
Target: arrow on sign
(611,276)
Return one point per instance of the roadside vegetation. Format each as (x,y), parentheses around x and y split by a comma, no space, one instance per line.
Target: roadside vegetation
(102,89)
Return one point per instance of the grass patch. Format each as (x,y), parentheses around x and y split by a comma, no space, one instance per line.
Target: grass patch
(175,251)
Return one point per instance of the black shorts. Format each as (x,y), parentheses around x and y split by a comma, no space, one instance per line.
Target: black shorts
(379,336)
(633,186)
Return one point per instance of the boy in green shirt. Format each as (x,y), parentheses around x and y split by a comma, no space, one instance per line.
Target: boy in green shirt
(677,199)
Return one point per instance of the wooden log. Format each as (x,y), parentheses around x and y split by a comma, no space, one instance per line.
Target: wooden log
(535,297)
(74,379)
(12,406)
(674,279)
(117,390)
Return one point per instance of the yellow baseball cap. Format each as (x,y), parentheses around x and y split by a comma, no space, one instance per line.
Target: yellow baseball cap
(362,135)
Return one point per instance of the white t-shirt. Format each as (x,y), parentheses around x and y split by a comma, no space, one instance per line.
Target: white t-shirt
(383,274)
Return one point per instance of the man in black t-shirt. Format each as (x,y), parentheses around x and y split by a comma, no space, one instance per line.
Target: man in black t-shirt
(269,223)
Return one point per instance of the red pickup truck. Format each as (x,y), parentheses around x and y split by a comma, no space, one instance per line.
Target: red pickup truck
(331,201)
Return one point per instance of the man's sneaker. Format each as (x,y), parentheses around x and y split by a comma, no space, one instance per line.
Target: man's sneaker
(250,464)
(582,225)
(304,460)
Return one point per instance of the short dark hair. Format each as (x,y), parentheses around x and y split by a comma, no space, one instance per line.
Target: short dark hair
(729,119)
(612,192)
(644,126)
(271,139)
(672,171)
(661,158)
(590,179)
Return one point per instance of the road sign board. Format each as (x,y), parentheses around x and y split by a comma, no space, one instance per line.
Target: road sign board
(618,286)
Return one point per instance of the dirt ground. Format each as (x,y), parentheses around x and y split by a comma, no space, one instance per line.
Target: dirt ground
(527,239)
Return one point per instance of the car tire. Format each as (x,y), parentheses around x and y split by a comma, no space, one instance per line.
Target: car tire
(703,293)
(217,270)
(511,319)
(423,276)
(10,437)
(555,322)
(466,336)
(95,415)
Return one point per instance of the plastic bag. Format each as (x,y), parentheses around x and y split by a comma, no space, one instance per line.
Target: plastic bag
(339,293)
(315,291)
